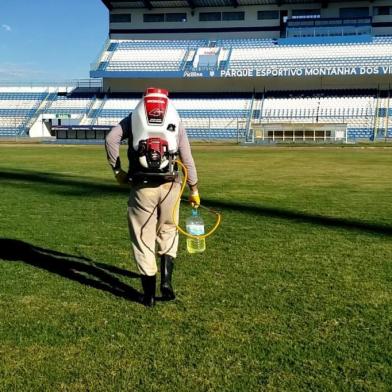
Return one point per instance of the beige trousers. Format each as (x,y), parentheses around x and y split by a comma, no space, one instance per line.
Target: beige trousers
(151,224)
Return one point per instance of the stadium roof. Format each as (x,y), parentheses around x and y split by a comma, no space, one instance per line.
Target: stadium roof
(150,4)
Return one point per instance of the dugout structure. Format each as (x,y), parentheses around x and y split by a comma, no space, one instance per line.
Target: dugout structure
(298,132)
(80,132)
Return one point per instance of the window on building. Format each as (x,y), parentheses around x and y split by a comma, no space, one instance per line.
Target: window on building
(175,17)
(120,18)
(233,15)
(308,13)
(153,18)
(357,12)
(382,11)
(210,16)
(267,14)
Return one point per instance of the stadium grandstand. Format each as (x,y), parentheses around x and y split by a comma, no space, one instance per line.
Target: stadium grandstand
(261,71)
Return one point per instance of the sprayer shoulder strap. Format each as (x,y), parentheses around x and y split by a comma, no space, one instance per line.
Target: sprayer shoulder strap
(126,125)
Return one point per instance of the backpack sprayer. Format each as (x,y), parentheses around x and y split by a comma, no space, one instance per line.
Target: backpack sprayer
(155,128)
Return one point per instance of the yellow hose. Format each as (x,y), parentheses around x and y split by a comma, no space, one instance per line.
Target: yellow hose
(182,231)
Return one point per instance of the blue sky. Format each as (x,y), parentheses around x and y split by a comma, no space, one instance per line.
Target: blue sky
(50,40)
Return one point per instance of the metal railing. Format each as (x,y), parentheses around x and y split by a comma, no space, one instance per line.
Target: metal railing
(91,82)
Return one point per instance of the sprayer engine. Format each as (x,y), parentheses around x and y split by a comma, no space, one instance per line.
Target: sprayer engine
(153,153)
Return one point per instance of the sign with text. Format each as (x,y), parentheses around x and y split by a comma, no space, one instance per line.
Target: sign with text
(304,71)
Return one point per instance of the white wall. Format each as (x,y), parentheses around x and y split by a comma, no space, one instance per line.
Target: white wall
(193,22)
(332,10)
(39,129)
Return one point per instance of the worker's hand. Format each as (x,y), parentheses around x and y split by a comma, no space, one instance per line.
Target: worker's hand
(121,177)
(194,199)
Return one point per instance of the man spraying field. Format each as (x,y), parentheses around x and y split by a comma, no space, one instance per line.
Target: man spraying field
(156,138)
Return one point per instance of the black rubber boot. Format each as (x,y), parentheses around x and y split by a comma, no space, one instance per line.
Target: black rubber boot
(167,266)
(148,283)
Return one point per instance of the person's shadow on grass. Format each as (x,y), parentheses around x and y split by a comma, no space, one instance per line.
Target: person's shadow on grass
(98,275)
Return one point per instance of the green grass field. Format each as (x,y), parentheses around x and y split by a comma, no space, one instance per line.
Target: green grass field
(292,294)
